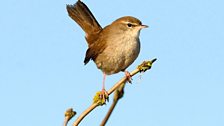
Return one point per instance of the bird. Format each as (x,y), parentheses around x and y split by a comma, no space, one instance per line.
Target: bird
(114,47)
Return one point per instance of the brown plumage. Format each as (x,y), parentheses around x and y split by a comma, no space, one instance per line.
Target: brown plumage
(112,48)
(81,14)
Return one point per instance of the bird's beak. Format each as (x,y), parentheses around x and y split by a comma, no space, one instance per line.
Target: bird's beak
(144,26)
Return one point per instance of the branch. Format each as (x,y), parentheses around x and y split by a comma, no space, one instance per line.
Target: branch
(99,102)
(118,94)
(69,113)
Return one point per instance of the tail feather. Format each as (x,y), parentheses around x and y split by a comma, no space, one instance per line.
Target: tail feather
(81,14)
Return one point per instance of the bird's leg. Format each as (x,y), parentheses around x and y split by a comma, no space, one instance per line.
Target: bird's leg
(128,76)
(104,95)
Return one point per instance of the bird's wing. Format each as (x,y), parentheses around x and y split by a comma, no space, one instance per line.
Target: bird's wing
(95,49)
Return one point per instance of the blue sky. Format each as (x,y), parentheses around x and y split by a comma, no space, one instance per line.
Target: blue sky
(42,72)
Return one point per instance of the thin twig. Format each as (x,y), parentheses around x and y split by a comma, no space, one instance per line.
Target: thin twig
(118,94)
(94,105)
(69,113)
(141,68)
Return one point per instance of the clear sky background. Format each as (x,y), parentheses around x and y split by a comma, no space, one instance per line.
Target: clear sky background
(42,71)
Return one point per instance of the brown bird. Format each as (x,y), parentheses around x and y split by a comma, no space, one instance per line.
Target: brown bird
(112,48)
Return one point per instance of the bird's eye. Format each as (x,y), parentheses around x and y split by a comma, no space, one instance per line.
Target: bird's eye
(129,25)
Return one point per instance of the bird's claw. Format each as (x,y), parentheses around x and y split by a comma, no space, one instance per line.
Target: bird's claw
(104,95)
(128,76)
(101,97)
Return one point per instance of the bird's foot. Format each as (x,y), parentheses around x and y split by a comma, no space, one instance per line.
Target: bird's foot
(104,95)
(128,76)
(101,97)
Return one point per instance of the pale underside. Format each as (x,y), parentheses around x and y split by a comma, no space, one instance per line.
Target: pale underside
(122,51)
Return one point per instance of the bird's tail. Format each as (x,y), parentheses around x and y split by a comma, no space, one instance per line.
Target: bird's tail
(81,14)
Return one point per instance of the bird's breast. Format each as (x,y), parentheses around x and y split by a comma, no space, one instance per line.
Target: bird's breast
(119,54)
